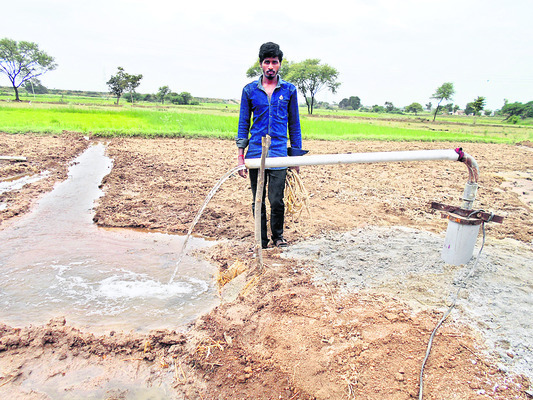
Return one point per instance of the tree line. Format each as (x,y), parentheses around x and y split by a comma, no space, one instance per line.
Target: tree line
(124,84)
(512,112)
(23,62)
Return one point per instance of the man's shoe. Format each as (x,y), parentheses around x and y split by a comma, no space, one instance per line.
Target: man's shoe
(281,242)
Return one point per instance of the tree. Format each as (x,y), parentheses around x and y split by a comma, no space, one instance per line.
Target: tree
(448,107)
(123,82)
(34,86)
(162,93)
(353,103)
(344,103)
(187,97)
(517,109)
(478,105)
(133,97)
(309,76)
(444,92)
(175,98)
(528,109)
(389,107)
(22,61)
(469,109)
(428,106)
(150,98)
(414,108)
(133,83)
(117,83)
(184,98)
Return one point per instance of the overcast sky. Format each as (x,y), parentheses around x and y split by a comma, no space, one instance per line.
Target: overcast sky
(384,50)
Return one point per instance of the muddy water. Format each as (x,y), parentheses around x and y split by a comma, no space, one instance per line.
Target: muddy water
(17,182)
(497,300)
(55,261)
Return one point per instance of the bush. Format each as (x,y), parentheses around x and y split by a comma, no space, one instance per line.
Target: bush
(515,119)
(136,97)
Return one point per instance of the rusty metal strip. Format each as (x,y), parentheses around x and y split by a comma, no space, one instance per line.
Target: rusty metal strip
(461,212)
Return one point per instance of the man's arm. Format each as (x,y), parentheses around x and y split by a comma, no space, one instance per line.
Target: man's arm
(243,130)
(295,130)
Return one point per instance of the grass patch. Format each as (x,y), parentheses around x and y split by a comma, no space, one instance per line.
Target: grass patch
(220,121)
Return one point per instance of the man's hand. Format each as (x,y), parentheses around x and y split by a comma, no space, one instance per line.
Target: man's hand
(242,172)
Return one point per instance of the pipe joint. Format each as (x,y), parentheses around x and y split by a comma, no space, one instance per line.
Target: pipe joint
(469,195)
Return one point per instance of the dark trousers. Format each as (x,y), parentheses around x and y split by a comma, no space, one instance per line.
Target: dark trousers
(275,182)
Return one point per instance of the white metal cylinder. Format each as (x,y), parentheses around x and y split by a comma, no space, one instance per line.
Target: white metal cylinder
(351,158)
(459,243)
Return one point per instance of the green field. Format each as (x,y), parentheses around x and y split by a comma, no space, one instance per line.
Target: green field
(220,120)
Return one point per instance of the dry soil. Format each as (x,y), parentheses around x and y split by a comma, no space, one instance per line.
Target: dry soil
(285,335)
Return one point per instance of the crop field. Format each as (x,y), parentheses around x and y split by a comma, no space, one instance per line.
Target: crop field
(221,120)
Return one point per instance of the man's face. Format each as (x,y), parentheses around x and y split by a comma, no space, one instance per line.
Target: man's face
(270,67)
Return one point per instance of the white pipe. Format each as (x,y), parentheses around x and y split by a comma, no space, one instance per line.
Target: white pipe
(322,159)
(469,194)
(389,156)
(12,158)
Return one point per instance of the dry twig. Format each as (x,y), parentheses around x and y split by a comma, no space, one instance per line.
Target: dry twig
(205,349)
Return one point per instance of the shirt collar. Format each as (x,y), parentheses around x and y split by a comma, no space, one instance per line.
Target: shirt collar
(260,82)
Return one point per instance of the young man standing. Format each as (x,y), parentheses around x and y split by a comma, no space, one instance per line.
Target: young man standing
(273,103)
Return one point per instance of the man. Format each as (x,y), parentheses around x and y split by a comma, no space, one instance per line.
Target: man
(273,103)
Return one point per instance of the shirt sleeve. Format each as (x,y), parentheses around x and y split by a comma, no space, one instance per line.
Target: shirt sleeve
(295,131)
(244,121)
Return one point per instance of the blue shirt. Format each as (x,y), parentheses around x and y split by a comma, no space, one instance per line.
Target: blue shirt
(272,116)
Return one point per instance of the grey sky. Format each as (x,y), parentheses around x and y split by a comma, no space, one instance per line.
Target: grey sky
(384,50)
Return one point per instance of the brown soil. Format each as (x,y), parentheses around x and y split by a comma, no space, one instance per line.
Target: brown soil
(282,337)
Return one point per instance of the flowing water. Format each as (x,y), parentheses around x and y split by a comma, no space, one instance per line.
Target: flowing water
(197,218)
(55,261)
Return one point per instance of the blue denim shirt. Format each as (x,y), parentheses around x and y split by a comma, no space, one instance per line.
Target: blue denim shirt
(270,116)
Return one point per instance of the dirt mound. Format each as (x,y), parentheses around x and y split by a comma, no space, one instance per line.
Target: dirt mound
(317,343)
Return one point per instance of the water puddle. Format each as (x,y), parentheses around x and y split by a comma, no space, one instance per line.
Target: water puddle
(17,182)
(55,261)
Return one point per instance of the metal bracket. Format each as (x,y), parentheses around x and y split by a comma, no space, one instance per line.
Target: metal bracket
(468,217)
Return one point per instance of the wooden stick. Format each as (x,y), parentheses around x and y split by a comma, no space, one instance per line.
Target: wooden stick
(259,202)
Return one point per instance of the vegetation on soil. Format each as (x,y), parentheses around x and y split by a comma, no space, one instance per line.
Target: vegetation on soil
(100,117)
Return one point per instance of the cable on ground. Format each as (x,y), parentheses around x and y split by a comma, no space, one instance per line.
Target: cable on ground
(462,285)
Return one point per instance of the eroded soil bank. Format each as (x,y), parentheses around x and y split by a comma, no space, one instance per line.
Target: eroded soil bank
(288,335)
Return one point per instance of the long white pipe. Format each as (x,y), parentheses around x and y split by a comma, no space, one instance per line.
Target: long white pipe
(390,156)
(322,159)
